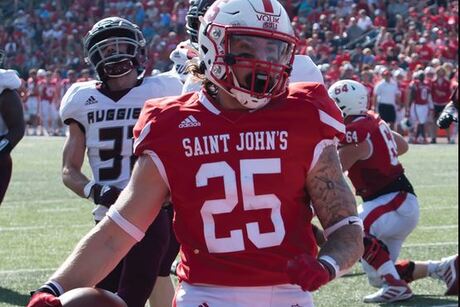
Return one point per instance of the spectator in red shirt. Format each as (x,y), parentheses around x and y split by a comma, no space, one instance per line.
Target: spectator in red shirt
(424,51)
(387,41)
(333,73)
(414,61)
(380,19)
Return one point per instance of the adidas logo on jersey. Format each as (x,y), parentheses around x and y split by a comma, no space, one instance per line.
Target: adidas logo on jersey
(190,121)
(90,100)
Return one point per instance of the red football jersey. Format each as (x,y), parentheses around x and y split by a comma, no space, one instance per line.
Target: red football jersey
(440,91)
(47,91)
(237,180)
(422,91)
(382,167)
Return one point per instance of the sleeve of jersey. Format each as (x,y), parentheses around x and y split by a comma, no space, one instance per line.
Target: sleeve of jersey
(330,128)
(355,133)
(69,107)
(146,134)
(171,84)
(330,115)
(146,128)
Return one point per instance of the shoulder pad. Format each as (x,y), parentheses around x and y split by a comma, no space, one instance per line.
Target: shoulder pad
(305,70)
(70,104)
(169,84)
(9,80)
(359,130)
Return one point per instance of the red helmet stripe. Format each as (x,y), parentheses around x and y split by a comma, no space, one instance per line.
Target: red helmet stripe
(268,7)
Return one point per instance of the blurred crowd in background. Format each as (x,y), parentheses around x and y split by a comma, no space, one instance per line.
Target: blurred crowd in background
(347,39)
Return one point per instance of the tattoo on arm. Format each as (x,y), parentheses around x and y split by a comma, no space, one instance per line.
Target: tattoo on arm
(333,201)
(329,192)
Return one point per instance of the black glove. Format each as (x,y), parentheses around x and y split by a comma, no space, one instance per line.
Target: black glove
(5,146)
(104,195)
(445,120)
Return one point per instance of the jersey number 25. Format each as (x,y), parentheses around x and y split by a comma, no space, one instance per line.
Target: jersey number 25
(248,168)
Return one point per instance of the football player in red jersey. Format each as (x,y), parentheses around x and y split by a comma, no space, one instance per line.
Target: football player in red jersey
(239,161)
(420,106)
(12,126)
(441,94)
(369,153)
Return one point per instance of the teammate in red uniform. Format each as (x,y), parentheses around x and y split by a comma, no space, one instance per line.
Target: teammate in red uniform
(48,95)
(32,103)
(390,211)
(239,160)
(441,93)
(420,106)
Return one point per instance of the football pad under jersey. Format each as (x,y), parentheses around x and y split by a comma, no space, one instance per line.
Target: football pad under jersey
(237,180)
(108,125)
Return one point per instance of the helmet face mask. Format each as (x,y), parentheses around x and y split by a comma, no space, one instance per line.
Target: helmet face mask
(350,96)
(114,47)
(246,51)
(197,8)
(253,74)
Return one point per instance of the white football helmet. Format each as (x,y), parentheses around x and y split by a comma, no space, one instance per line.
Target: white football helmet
(350,96)
(180,56)
(228,21)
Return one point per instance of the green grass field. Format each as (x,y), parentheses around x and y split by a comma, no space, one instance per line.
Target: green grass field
(41,221)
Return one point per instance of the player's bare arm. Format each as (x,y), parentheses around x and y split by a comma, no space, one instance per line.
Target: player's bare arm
(72,160)
(107,243)
(333,202)
(351,153)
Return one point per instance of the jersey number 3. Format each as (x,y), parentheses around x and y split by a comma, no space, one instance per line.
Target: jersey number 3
(248,168)
(114,134)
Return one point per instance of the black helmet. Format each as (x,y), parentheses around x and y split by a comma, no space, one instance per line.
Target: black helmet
(114,31)
(196,9)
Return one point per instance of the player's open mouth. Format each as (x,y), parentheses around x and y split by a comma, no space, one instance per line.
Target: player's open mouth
(119,68)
